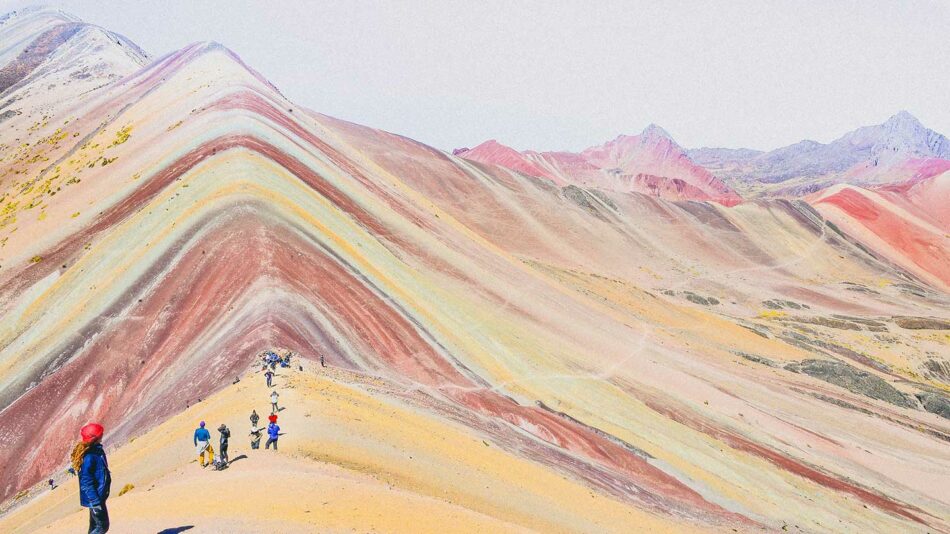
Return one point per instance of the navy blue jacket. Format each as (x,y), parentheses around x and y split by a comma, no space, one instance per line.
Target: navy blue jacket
(202,434)
(94,477)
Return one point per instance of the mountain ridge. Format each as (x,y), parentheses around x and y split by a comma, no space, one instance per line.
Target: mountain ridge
(851,158)
(650,162)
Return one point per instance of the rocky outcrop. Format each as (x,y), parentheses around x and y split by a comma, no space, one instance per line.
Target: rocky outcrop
(935,403)
(852,379)
(922,323)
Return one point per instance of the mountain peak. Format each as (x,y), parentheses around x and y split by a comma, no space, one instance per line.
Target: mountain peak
(654,131)
(903,117)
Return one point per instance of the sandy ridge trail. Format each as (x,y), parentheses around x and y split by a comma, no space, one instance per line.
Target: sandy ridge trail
(332,473)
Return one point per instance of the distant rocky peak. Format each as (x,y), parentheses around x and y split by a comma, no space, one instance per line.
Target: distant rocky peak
(903,119)
(652,131)
(904,133)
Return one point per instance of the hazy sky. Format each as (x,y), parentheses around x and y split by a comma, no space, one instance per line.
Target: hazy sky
(567,75)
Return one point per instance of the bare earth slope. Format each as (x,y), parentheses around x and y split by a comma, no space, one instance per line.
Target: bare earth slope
(507,351)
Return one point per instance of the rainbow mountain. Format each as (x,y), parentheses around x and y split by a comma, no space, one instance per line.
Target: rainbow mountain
(504,350)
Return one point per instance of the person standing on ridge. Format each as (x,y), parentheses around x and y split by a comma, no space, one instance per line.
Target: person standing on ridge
(269,375)
(203,444)
(273,432)
(225,434)
(254,418)
(89,461)
(273,402)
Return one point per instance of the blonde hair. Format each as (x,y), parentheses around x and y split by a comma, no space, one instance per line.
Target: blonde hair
(78,452)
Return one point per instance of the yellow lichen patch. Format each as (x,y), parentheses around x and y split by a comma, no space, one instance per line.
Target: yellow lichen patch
(122,135)
(771,314)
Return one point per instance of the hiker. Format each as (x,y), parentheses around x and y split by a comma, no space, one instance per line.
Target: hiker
(89,460)
(254,418)
(203,444)
(225,434)
(273,431)
(255,434)
(269,375)
(322,362)
(273,402)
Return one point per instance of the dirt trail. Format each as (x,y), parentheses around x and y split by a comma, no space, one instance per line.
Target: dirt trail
(332,473)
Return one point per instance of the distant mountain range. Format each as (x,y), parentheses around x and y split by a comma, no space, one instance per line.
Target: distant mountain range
(899,149)
(864,156)
(650,163)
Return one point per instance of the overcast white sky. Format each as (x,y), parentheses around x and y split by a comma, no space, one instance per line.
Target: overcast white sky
(567,75)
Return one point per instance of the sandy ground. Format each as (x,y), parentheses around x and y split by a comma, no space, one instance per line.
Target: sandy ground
(331,474)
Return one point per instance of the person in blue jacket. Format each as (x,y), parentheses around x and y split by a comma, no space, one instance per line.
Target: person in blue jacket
(273,432)
(89,462)
(203,444)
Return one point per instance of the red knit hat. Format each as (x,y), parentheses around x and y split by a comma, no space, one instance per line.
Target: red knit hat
(91,432)
(272,418)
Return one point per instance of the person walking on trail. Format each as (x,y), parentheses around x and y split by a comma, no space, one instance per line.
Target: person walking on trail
(269,375)
(273,402)
(254,418)
(273,432)
(89,461)
(255,434)
(225,434)
(203,444)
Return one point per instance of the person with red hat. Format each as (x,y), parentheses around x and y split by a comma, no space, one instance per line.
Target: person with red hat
(89,462)
(273,431)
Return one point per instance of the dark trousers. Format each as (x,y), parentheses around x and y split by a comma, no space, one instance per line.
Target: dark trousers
(224,452)
(98,519)
(256,444)
(268,382)
(269,441)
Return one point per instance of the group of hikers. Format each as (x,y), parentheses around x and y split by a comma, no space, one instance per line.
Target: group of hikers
(202,438)
(88,459)
(202,441)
